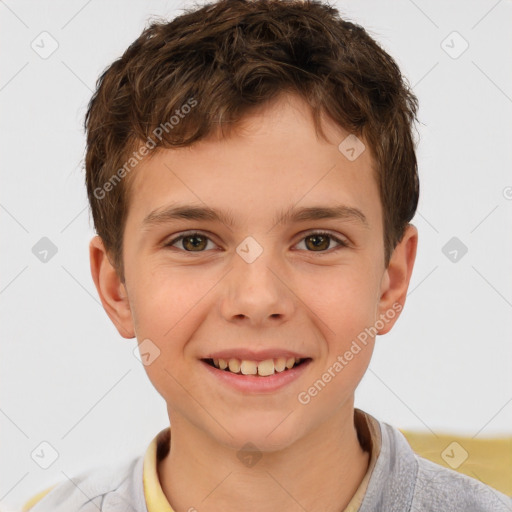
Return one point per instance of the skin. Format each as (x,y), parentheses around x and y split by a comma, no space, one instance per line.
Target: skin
(292,296)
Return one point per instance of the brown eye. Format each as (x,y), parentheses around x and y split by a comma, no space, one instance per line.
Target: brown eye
(318,242)
(194,242)
(191,242)
(321,242)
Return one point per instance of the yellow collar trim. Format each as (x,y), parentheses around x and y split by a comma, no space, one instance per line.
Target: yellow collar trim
(369,436)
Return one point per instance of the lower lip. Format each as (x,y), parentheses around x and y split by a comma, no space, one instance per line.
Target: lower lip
(255,384)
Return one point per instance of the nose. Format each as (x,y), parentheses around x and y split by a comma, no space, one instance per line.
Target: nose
(257,293)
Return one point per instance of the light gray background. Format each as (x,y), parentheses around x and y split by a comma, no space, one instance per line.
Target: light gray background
(69,379)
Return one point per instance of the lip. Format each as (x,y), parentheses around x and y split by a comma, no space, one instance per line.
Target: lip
(252,355)
(255,384)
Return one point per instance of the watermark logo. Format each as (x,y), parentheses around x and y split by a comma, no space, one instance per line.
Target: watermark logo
(351,147)
(454,455)
(146,352)
(44,455)
(454,45)
(249,455)
(45,45)
(249,249)
(44,250)
(454,249)
(144,149)
(342,360)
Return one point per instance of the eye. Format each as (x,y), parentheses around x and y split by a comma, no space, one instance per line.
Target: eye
(191,242)
(317,241)
(320,241)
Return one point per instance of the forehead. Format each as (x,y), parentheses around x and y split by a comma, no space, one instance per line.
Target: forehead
(274,158)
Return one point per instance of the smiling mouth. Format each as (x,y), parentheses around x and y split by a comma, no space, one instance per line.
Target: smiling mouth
(261,369)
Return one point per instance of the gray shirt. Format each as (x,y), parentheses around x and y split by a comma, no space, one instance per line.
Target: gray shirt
(401,481)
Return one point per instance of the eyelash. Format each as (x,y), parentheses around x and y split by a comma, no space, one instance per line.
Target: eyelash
(342,243)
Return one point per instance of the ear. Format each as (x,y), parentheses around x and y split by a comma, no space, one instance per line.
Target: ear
(111,290)
(395,280)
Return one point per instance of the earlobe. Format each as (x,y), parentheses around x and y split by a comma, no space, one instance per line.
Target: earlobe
(111,290)
(396,278)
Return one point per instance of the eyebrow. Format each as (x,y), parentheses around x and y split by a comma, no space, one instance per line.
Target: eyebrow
(292,214)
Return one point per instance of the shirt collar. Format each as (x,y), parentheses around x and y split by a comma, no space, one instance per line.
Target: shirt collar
(368,433)
(156,500)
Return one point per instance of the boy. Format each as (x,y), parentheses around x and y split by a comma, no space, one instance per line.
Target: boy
(252,174)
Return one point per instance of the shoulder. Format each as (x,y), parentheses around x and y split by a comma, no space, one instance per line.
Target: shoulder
(403,480)
(113,488)
(439,488)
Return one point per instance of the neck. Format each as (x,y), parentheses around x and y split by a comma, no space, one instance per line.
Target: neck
(319,473)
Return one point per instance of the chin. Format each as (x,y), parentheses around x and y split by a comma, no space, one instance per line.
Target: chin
(267,432)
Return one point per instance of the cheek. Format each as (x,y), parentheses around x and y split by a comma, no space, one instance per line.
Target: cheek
(345,301)
(169,307)
(165,318)
(161,300)
(344,313)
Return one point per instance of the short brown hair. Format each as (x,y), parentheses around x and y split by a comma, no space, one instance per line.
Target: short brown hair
(209,66)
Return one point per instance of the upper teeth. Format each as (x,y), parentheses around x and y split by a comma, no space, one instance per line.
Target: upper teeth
(263,368)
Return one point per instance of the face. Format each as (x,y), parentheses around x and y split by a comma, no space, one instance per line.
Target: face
(293,267)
